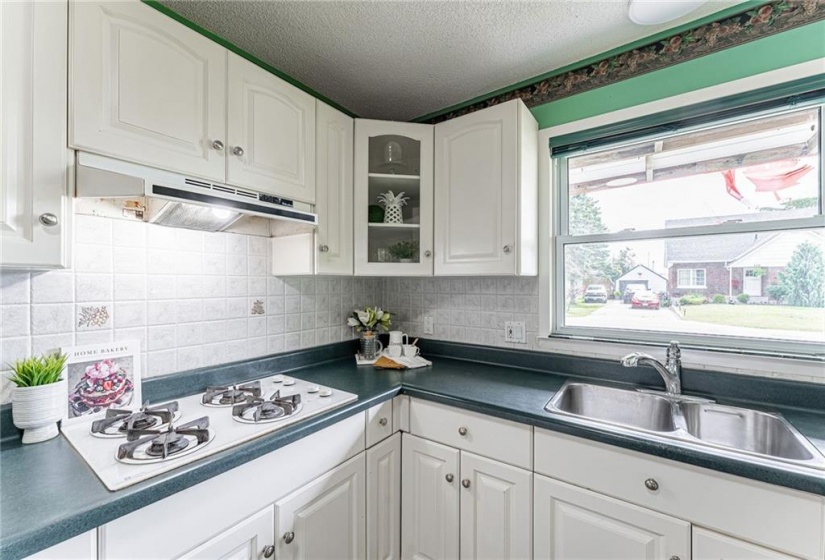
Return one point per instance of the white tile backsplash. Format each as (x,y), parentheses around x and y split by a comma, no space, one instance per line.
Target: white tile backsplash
(187,295)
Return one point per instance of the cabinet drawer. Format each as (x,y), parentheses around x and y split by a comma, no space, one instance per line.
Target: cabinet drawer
(768,515)
(506,441)
(379,423)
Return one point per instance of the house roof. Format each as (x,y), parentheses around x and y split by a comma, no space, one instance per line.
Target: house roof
(626,274)
(777,250)
(721,248)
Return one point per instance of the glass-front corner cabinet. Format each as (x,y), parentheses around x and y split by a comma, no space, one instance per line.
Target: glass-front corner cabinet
(393,198)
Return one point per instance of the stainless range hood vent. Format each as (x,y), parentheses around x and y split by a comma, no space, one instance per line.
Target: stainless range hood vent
(178,201)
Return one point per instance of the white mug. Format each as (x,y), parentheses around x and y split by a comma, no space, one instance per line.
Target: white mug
(410,350)
(393,350)
(397,337)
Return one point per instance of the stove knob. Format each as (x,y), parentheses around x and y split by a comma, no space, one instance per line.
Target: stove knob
(278,379)
(325,392)
(312,389)
(288,381)
(269,551)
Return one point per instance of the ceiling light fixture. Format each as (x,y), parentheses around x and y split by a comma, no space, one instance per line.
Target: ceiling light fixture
(654,12)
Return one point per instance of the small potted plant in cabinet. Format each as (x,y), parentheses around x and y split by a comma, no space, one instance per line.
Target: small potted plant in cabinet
(404,251)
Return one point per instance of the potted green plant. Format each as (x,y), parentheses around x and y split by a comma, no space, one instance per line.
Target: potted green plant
(404,251)
(367,321)
(39,399)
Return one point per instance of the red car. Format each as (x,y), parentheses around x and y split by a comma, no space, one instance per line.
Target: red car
(645,299)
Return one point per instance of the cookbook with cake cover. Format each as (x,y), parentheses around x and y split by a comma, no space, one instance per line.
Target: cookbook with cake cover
(100,377)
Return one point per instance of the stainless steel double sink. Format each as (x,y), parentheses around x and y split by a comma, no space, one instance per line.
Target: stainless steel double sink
(688,419)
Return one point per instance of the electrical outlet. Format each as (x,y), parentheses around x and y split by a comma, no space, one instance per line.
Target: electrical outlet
(514,332)
(428,324)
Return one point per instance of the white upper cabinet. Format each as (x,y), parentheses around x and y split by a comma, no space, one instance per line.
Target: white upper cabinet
(35,174)
(146,89)
(393,237)
(271,143)
(333,203)
(486,205)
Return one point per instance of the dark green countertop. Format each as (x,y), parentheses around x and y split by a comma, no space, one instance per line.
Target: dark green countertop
(49,494)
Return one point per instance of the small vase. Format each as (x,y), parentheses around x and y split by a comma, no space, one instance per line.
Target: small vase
(370,346)
(392,214)
(36,410)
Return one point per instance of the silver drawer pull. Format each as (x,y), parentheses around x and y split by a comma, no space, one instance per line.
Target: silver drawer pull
(465,483)
(449,478)
(238,151)
(269,551)
(289,536)
(382,422)
(48,219)
(462,431)
(217,145)
(651,484)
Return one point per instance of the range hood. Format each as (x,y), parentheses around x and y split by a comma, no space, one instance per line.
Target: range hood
(175,200)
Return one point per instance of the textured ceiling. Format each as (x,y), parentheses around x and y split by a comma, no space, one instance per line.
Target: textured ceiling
(401,60)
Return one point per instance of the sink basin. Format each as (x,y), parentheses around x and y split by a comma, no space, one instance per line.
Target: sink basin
(746,430)
(642,411)
(690,420)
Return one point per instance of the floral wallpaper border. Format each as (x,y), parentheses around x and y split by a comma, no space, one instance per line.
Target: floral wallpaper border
(762,21)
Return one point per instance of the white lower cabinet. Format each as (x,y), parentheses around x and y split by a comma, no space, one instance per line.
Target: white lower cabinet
(457,504)
(429,506)
(81,547)
(250,539)
(496,509)
(708,545)
(326,518)
(384,500)
(575,524)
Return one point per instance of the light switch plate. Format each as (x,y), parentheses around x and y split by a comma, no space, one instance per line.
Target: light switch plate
(514,332)
(428,324)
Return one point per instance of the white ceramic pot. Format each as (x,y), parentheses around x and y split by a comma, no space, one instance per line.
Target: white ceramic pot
(36,410)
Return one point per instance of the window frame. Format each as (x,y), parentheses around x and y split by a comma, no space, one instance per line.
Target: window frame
(693,285)
(554,221)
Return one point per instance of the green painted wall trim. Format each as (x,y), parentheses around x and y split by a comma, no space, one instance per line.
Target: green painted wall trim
(722,14)
(795,46)
(242,53)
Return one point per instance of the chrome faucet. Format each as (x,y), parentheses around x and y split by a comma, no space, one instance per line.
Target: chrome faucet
(671,371)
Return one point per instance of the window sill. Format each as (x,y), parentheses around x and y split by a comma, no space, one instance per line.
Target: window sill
(809,371)
(691,287)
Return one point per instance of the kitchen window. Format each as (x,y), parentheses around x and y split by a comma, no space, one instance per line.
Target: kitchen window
(709,230)
(691,278)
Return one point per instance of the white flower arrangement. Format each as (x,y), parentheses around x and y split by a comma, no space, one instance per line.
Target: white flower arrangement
(370,318)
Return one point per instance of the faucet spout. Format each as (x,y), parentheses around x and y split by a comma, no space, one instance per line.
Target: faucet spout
(671,371)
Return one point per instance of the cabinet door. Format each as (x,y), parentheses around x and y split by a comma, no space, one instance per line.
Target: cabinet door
(393,238)
(35,173)
(384,500)
(708,545)
(429,509)
(333,167)
(147,89)
(325,518)
(271,133)
(476,192)
(576,524)
(81,547)
(247,540)
(496,510)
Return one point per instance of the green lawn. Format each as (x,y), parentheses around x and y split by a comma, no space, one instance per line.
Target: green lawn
(759,316)
(582,309)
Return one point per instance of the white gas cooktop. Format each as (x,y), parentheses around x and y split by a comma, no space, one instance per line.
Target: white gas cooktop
(221,431)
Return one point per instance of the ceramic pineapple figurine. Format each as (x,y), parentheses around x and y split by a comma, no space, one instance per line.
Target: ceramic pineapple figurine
(392,206)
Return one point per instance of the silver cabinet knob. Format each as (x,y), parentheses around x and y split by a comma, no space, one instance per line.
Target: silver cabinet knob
(217,145)
(382,422)
(269,551)
(238,151)
(674,557)
(465,483)
(48,219)
(462,431)
(651,484)
(506,249)
(289,536)
(449,478)
(428,254)
(323,248)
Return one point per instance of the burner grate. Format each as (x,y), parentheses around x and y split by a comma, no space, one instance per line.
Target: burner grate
(117,422)
(256,409)
(165,443)
(230,395)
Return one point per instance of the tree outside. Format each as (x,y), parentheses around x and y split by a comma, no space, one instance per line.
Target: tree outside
(803,280)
